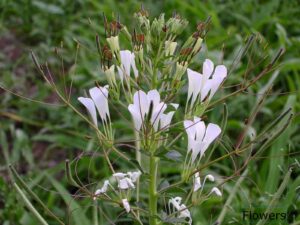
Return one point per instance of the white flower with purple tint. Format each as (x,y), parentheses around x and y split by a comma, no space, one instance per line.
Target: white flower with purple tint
(205,85)
(99,100)
(144,104)
(200,136)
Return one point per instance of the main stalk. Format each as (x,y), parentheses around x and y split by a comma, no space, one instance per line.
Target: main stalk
(152,189)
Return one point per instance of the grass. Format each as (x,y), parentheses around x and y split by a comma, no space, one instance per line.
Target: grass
(37,138)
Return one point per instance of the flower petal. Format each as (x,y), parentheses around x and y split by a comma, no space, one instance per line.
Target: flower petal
(90,106)
(141,101)
(218,77)
(134,176)
(136,115)
(99,96)
(126,59)
(212,132)
(153,96)
(208,67)
(156,114)
(195,82)
(165,120)
(135,71)
(126,205)
(197,182)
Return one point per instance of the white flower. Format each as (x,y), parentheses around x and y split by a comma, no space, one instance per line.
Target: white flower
(126,181)
(99,100)
(134,176)
(103,189)
(165,119)
(200,136)
(216,191)
(206,84)
(197,182)
(127,62)
(181,208)
(126,205)
(210,177)
(90,106)
(141,107)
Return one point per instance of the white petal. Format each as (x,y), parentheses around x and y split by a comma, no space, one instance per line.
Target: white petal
(121,73)
(206,89)
(218,77)
(156,114)
(135,71)
(103,189)
(153,96)
(126,205)
(175,105)
(195,82)
(200,130)
(216,191)
(165,120)
(134,176)
(210,177)
(126,61)
(90,106)
(123,184)
(141,101)
(99,96)
(136,115)
(190,128)
(212,132)
(197,182)
(119,175)
(196,149)
(208,67)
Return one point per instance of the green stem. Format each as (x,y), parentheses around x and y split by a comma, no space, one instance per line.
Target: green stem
(95,213)
(138,159)
(152,190)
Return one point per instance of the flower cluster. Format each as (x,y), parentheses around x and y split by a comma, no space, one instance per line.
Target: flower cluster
(126,182)
(148,106)
(148,80)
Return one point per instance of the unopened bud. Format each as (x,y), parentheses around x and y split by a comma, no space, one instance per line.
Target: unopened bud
(170,47)
(113,43)
(180,70)
(197,46)
(110,76)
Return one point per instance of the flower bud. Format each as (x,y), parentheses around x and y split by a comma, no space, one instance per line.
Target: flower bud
(176,25)
(113,43)
(180,70)
(170,47)
(158,25)
(197,46)
(110,76)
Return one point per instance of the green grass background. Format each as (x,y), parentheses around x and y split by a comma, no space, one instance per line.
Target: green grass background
(38,138)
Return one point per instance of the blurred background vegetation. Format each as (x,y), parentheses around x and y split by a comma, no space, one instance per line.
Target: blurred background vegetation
(37,138)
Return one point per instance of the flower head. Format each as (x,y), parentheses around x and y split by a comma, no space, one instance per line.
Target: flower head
(126,205)
(175,204)
(145,104)
(99,100)
(200,136)
(127,62)
(205,84)
(103,189)
(126,181)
